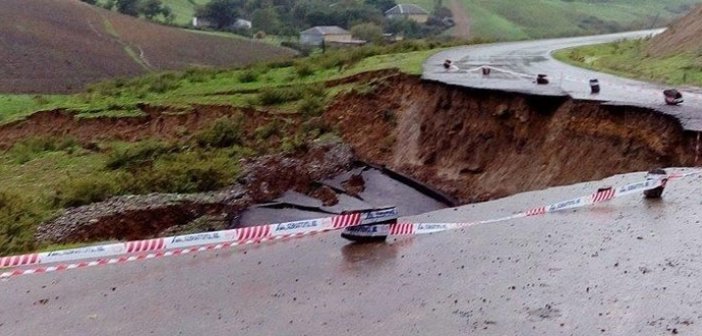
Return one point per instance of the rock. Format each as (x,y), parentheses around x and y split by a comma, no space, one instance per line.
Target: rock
(144,216)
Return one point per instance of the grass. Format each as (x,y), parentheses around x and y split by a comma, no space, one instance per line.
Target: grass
(630,59)
(236,87)
(183,9)
(514,20)
(43,175)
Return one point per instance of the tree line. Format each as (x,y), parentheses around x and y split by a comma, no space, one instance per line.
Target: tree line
(149,9)
(289,17)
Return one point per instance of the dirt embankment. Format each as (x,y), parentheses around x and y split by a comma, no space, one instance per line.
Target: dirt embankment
(480,145)
(158,122)
(470,144)
(143,216)
(684,35)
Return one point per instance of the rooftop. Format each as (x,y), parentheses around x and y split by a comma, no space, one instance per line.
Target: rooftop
(327,30)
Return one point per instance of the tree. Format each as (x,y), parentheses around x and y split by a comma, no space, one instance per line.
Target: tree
(128,7)
(267,20)
(221,13)
(90,2)
(150,8)
(109,4)
(405,27)
(370,32)
(168,14)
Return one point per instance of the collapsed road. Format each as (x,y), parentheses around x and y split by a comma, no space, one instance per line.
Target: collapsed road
(595,270)
(514,62)
(624,267)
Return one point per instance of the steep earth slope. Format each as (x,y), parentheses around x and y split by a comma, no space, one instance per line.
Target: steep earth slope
(58,46)
(473,144)
(509,19)
(479,145)
(685,35)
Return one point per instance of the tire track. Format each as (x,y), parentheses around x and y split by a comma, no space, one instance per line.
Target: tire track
(139,58)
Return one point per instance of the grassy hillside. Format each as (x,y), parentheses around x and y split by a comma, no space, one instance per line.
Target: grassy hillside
(632,59)
(183,9)
(683,36)
(61,45)
(233,114)
(672,57)
(509,19)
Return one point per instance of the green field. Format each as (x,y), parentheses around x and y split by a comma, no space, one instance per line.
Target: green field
(514,20)
(183,9)
(630,59)
(42,175)
(510,19)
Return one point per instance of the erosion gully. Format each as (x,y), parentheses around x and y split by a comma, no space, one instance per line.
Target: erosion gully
(419,145)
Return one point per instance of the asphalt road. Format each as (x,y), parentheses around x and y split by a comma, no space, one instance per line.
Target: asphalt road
(516,64)
(626,267)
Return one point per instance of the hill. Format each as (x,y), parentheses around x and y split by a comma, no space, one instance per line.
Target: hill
(59,46)
(685,35)
(672,57)
(509,19)
(184,10)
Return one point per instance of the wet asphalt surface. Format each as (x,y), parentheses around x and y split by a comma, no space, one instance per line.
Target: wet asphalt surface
(625,267)
(380,190)
(516,64)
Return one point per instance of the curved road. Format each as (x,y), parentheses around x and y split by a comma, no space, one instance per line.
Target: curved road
(516,64)
(622,268)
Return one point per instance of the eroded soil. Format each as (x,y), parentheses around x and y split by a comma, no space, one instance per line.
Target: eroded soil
(472,145)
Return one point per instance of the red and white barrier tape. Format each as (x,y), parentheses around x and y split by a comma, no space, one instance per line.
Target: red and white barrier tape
(225,239)
(179,242)
(160,254)
(603,195)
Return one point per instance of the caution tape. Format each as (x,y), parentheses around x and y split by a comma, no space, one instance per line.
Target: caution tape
(359,223)
(239,236)
(602,195)
(159,254)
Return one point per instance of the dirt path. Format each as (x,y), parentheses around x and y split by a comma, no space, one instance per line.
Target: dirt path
(461,18)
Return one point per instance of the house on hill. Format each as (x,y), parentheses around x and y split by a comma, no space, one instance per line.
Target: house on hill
(328,35)
(409,12)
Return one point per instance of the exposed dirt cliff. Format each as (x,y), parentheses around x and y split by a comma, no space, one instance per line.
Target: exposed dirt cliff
(474,145)
(478,145)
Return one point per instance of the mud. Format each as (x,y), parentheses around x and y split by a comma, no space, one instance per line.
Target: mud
(479,145)
(158,122)
(144,216)
(471,145)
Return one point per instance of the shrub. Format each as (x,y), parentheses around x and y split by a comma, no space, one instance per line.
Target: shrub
(136,155)
(18,217)
(193,171)
(275,96)
(198,75)
(27,149)
(85,190)
(248,76)
(314,127)
(163,83)
(312,106)
(268,130)
(303,69)
(293,144)
(224,132)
